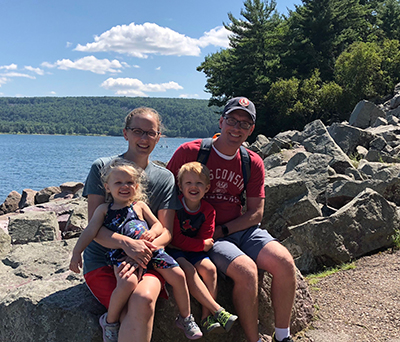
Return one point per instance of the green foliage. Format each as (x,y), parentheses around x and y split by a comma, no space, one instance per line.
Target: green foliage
(358,71)
(396,238)
(368,70)
(103,115)
(296,102)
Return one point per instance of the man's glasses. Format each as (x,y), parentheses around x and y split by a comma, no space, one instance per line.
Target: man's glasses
(137,132)
(232,122)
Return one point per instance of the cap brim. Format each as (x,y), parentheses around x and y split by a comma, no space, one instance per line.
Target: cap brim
(253,117)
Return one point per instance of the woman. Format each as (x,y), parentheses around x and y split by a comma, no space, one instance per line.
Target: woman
(142,131)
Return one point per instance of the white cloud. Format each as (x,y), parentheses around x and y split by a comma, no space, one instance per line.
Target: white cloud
(135,87)
(53,93)
(189,96)
(9,67)
(3,80)
(36,70)
(17,74)
(88,63)
(68,44)
(217,36)
(158,68)
(142,40)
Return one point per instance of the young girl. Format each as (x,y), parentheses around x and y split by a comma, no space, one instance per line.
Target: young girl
(193,231)
(129,215)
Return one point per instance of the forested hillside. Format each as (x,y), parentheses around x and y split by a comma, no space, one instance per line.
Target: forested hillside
(103,115)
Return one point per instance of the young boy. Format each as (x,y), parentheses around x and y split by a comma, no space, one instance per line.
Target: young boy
(192,237)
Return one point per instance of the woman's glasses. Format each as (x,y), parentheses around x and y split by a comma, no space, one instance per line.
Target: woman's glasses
(137,132)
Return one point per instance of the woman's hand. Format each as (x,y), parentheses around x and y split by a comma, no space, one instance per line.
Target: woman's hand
(140,251)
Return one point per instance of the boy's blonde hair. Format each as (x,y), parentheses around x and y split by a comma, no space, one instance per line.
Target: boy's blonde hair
(135,171)
(196,167)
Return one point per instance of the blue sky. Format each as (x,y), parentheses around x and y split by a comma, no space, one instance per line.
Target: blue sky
(111,48)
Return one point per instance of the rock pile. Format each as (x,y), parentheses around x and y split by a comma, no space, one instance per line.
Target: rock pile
(333,194)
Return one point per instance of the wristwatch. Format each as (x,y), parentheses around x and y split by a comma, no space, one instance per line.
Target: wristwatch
(225,230)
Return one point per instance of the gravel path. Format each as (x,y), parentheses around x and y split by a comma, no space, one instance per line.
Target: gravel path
(360,304)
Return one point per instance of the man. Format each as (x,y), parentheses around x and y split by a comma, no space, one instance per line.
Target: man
(241,247)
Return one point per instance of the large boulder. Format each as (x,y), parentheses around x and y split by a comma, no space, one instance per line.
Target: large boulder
(365,114)
(316,139)
(34,227)
(364,225)
(47,302)
(349,137)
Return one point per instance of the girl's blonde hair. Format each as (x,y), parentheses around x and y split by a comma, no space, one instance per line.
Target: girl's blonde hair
(196,167)
(144,110)
(135,171)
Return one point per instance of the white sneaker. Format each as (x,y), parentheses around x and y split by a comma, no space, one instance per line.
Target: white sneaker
(110,330)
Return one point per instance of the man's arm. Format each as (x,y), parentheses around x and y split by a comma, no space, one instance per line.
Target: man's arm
(252,216)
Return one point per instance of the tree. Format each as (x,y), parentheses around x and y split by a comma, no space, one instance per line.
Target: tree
(320,31)
(250,65)
(358,71)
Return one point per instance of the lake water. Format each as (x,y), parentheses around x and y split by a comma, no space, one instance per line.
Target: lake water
(38,161)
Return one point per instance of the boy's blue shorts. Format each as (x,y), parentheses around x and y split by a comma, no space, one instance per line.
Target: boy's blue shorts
(192,257)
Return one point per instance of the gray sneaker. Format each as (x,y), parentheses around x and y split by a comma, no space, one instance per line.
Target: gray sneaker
(110,330)
(189,326)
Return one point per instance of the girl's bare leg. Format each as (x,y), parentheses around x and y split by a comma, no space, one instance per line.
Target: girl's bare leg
(120,296)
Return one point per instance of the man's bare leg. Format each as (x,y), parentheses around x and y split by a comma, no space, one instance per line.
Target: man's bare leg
(243,272)
(276,260)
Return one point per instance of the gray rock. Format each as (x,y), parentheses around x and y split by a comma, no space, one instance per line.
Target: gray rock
(364,114)
(44,195)
(380,121)
(260,142)
(269,149)
(364,225)
(349,137)
(273,161)
(34,227)
(318,140)
(27,198)
(11,203)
